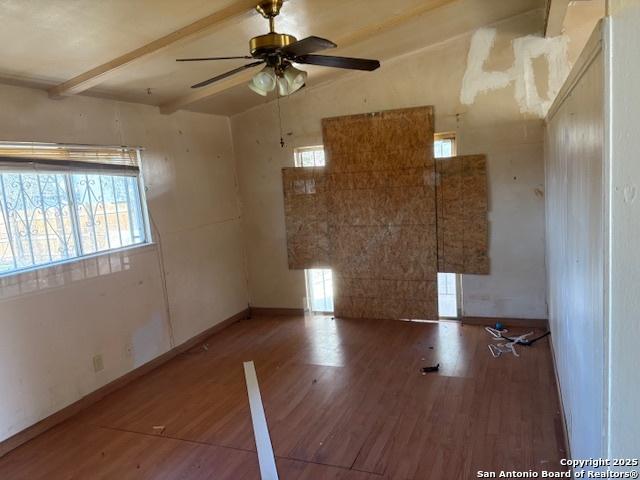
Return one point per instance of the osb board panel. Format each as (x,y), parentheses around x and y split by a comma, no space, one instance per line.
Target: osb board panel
(392,178)
(379,141)
(381,205)
(463,227)
(384,298)
(384,308)
(366,160)
(401,289)
(305,206)
(380,252)
(398,206)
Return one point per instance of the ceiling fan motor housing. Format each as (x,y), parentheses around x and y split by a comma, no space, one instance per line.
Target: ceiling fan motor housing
(270,43)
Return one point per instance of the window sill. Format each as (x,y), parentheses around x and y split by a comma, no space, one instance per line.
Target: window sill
(65,266)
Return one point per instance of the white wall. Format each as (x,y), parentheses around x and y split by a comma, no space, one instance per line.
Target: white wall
(492,124)
(53,321)
(624,312)
(574,145)
(593,213)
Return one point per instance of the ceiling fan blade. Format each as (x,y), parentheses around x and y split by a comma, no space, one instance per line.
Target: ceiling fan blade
(211,58)
(225,75)
(339,62)
(306,46)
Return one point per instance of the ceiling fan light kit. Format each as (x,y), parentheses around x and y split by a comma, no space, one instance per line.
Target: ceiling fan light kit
(264,81)
(279,51)
(294,79)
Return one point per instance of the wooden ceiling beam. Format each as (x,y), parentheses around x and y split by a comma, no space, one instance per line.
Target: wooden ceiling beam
(344,41)
(96,75)
(209,91)
(556,13)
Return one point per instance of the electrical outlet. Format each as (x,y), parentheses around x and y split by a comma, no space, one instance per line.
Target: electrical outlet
(98,363)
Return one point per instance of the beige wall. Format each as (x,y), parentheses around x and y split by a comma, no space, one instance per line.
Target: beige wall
(493,124)
(54,320)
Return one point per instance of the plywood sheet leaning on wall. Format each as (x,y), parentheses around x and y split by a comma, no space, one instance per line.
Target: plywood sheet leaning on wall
(462,215)
(381,211)
(305,205)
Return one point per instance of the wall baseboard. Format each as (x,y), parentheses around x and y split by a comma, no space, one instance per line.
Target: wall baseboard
(485,321)
(69,411)
(508,322)
(276,312)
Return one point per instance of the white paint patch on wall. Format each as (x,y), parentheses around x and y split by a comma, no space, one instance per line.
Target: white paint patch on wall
(476,79)
(526,49)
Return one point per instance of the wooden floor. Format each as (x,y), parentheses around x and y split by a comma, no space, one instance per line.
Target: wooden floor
(344,399)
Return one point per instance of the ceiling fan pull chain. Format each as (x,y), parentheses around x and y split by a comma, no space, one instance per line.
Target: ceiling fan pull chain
(280,120)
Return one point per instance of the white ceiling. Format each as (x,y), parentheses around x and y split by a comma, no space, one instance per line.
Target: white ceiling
(46,42)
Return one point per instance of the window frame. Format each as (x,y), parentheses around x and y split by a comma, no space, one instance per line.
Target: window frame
(297,160)
(458,276)
(64,168)
(310,290)
(447,136)
(297,153)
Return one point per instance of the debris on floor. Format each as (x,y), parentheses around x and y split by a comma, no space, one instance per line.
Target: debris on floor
(159,429)
(498,349)
(426,370)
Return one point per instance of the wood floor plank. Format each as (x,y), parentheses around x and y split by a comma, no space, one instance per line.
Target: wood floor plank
(344,399)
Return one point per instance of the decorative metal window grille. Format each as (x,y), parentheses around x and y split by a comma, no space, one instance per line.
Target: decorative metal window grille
(310,157)
(49,215)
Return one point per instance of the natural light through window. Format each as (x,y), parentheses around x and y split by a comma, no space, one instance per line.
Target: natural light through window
(309,157)
(54,213)
(319,290)
(319,281)
(444,146)
(447,295)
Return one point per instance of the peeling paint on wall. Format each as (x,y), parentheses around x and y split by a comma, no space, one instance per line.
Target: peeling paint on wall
(476,80)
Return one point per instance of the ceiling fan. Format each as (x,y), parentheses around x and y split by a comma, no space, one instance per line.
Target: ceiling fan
(278,51)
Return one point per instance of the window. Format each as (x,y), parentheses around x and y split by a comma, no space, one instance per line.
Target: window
(447,295)
(319,290)
(444,145)
(319,281)
(52,210)
(309,157)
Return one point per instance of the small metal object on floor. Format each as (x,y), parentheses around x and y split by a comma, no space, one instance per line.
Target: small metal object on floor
(426,370)
(266,459)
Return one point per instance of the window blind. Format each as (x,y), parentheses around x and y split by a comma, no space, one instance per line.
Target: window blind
(55,156)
